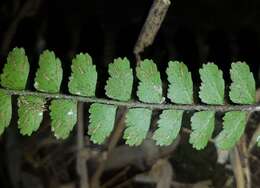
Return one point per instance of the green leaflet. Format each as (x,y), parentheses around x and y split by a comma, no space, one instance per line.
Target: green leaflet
(258,141)
(212,86)
(63,117)
(49,75)
(119,85)
(137,123)
(234,126)
(30,113)
(202,124)
(5,111)
(102,120)
(169,127)
(150,85)
(242,89)
(16,70)
(84,76)
(180,90)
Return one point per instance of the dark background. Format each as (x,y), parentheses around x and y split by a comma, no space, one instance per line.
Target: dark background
(196,32)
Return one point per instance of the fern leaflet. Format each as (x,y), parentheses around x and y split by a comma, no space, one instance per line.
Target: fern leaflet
(30,113)
(180,90)
(102,120)
(169,127)
(84,76)
(5,111)
(49,75)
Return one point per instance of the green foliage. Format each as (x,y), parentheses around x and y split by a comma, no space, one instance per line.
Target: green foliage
(150,85)
(49,75)
(119,85)
(202,124)
(213,86)
(5,111)
(102,120)
(30,113)
(63,117)
(242,89)
(169,125)
(16,70)
(84,76)
(63,112)
(180,90)
(137,123)
(234,126)
(258,141)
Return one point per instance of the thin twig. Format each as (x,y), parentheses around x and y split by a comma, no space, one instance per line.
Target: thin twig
(244,157)
(135,104)
(81,161)
(237,168)
(151,26)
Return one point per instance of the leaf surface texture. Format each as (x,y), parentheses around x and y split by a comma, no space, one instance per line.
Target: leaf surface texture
(120,83)
(102,120)
(5,111)
(63,117)
(234,126)
(49,75)
(169,125)
(83,79)
(150,84)
(137,125)
(30,113)
(242,89)
(202,125)
(212,86)
(180,90)
(16,70)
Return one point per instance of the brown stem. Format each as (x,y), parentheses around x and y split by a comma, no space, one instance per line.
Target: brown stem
(81,161)
(237,168)
(151,26)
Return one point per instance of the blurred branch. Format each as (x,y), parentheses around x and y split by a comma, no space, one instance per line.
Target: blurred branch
(237,168)
(29,8)
(151,26)
(81,161)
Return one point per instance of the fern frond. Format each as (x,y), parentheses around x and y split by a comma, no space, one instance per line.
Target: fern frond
(63,108)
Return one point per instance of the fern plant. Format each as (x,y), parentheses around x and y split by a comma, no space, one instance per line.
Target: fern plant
(82,86)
